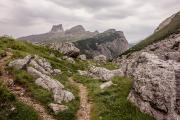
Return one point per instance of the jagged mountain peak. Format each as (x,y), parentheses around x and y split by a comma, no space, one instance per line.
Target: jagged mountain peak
(110,31)
(76,29)
(57,28)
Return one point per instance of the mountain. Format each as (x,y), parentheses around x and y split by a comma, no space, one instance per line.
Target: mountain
(170,26)
(110,43)
(38,83)
(57,34)
(154,66)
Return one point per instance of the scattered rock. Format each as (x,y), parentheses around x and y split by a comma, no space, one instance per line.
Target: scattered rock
(71,60)
(13,109)
(100,59)
(68,96)
(10,82)
(82,57)
(83,73)
(65,57)
(101,73)
(106,85)
(57,108)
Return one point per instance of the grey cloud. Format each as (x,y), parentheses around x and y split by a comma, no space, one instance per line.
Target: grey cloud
(131,16)
(88,4)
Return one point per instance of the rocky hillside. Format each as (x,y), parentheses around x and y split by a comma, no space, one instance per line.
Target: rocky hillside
(58,34)
(110,43)
(154,65)
(159,34)
(38,83)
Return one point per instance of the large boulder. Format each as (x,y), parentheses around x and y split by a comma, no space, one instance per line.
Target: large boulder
(67,48)
(100,59)
(156,86)
(20,63)
(42,71)
(57,108)
(101,73)
(82,57)
(106,85)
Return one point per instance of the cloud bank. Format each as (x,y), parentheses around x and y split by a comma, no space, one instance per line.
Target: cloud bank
(137,18)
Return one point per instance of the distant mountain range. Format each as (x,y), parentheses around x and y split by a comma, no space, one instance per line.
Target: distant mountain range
(58,34)
(110,43)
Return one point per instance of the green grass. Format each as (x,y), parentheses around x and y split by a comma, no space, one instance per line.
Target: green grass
(22,111)
(111,104)
(104,102)
(172,28)
(38,93)
(21,49)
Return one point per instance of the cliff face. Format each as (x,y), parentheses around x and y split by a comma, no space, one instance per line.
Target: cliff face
(110,43)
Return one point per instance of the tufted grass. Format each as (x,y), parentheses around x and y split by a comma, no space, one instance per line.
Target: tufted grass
(21,112)
(112,103)
(20,49)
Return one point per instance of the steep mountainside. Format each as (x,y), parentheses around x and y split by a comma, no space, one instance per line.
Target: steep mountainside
(162,32)
(57,34)
(154,65)
(110,43)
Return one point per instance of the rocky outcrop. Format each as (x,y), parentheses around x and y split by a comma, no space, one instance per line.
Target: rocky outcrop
(110,43)
(101,73)
(57,108)
(66,48)
(20,63)
(82,57)
(155,71)
(155,88)
(106,85)
(100,59)
(167,49)
(42,71)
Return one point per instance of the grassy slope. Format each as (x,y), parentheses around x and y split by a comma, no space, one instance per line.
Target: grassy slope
(108,105)
(111,104)
(22,112)
(21,49)
(172,28)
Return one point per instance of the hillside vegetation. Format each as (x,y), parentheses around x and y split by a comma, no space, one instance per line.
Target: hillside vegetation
(110,104)
(172,28)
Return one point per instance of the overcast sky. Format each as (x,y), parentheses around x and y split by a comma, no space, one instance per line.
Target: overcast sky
(136,18)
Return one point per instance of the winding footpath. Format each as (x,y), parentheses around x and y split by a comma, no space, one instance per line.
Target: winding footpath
(85,106)
(19,91)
